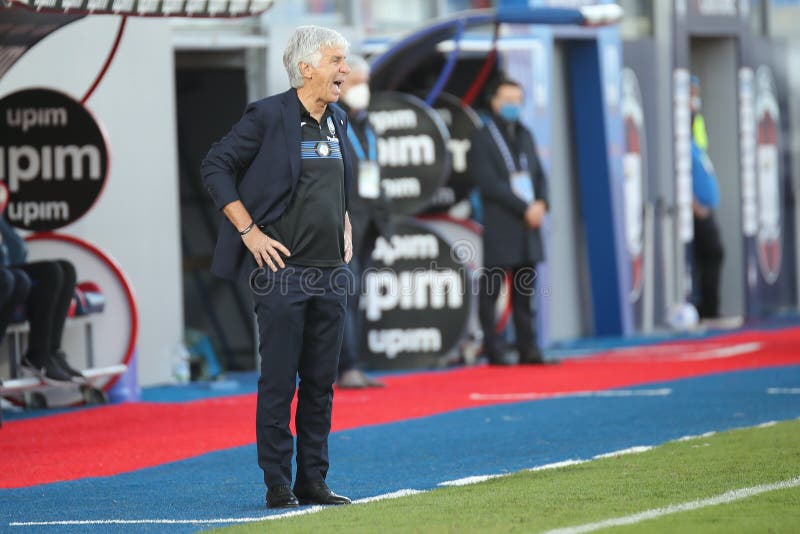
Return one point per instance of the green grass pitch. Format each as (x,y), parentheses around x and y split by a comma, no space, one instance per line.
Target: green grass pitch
(537,501)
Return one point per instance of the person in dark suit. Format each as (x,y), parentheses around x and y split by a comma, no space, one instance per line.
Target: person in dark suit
(369,215)
(281,177)
(505,167)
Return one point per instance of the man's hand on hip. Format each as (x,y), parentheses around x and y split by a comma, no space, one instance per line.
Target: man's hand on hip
(265,250)
(348,238)
(535,214)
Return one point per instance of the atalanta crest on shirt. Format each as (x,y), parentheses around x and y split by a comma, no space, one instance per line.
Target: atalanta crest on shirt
(320,149)
(323,149)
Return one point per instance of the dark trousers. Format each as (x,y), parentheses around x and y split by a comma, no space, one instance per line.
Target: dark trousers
(353,325)
(707,253)
(300,314)
(523,313)
(52,288)
(14,288)
(353,328)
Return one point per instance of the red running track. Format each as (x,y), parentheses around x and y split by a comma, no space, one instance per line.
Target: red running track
(115,439)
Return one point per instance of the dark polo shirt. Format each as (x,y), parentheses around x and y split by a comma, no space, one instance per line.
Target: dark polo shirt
(312,227)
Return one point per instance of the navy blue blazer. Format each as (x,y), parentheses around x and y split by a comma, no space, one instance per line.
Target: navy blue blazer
(258,162)
(507,241)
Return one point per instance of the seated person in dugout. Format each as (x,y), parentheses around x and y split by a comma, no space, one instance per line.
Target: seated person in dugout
(49,286)
(15,286)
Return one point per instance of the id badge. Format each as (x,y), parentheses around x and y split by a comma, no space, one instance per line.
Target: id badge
(369,179)
(522,186)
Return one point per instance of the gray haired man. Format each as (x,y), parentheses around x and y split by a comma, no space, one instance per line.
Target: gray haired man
(281,177)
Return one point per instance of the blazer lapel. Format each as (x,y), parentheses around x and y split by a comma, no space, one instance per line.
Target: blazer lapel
(290,113)
(341,133)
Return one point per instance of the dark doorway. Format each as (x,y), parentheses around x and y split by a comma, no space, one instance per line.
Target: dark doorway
(715,61)
(211,94)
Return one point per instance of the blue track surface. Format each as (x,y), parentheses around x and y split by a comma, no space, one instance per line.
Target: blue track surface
(588,346)
(417,454)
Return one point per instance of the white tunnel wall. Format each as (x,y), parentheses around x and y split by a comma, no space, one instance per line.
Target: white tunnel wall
(135,219)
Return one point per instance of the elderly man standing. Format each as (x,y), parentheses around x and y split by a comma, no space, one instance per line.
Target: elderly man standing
(281,177)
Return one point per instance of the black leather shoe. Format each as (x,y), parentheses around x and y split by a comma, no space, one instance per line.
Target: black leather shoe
(59,359)
(499,359)
(318,493)
(281,497)
(47,371)
(531,357)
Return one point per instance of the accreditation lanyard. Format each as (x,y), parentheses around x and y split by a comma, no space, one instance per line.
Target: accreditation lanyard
(372,144)
(519,179)
(505,151)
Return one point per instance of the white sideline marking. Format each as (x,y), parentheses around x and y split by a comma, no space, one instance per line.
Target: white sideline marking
(305,511)
(767,424)
(556,465)
(225,520)
(699,436)
(661,392)
(783,391)
(630,450)
(466,481)
(392,495)
(724,498)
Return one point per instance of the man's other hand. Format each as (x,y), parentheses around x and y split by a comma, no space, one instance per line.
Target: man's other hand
(348,238)
(265,250)
(348,245)
(700,211)
(534,214)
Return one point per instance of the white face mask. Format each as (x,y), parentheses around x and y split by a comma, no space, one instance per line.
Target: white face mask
(697,103)
(357,97)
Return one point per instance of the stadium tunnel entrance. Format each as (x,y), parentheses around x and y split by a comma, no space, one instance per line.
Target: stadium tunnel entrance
(714,60)
(744,82)
(212,87)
